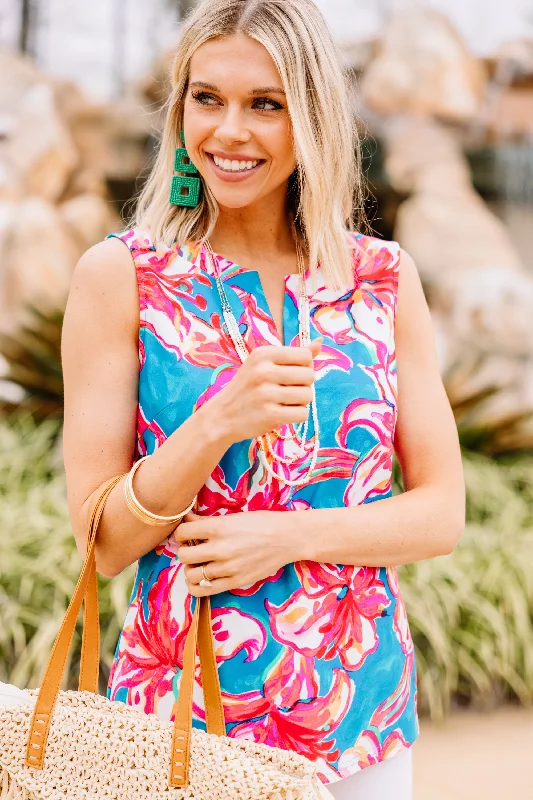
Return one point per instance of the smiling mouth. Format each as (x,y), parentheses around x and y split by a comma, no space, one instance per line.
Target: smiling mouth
(233,166)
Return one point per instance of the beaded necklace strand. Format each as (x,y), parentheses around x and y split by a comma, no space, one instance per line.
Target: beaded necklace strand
(299,437)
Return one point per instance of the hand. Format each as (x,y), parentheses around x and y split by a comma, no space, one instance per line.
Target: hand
(271,388)
(237,549)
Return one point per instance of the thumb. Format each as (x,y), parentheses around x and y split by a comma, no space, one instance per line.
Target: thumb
(316,345)
(190,516)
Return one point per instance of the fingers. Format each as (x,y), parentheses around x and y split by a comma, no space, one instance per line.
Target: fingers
(291,395)
(199,529)
(316,345)
(293,376)
(298,356)
(221,585)
(202,532)
(195,553)
(214,571)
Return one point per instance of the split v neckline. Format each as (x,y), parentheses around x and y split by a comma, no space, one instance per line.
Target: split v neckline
(230,269)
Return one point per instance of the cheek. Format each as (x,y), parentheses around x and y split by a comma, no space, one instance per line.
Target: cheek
(284,149)
(287,163)
(197,130)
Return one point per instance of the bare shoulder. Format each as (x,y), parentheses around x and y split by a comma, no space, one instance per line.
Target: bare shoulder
(408,268)
(409,284)
(106,267)
(104,287)
(414,328)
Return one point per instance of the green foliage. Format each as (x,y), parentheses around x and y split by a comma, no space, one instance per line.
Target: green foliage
(33,359)
(39,562)
(471,613)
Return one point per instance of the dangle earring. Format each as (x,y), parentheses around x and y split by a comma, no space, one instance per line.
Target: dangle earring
(185,190)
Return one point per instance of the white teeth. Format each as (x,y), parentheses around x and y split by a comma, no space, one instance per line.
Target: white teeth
(234,166)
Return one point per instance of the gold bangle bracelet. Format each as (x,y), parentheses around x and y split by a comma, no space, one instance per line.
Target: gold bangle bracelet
(140,511)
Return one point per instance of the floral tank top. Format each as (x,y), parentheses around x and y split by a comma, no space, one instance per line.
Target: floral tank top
(317,658)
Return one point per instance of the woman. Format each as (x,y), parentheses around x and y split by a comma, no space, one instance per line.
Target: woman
(267,338)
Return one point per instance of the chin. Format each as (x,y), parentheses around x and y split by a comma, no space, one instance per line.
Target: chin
(231,200)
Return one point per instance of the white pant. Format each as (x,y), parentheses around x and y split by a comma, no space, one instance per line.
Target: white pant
(391,779)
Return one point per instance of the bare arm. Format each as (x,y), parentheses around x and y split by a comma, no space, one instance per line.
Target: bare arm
(101,372)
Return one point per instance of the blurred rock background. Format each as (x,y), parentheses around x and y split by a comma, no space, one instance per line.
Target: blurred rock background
(444,95)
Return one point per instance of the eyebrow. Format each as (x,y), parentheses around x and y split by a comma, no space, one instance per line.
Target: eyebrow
(260,90)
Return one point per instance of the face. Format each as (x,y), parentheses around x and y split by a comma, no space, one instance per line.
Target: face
(235,112)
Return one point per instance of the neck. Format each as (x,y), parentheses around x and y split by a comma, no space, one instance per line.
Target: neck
(257,233)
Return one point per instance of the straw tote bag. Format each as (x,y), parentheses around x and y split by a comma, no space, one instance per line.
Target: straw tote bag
(66,744)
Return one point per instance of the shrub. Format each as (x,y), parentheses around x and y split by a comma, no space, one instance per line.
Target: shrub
(39,562)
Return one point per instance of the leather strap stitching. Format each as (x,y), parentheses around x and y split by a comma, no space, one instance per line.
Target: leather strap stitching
(200,633)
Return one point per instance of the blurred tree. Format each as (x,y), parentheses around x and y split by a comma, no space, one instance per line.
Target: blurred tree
(184,6)
(29,15)
(119,47)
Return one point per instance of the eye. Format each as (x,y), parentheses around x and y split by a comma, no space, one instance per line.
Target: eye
(204,99)
(276,105)
(199,98)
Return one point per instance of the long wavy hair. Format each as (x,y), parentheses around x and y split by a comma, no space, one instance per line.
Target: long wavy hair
(325,191)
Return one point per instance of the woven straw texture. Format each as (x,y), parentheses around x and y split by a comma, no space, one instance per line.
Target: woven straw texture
(99,749)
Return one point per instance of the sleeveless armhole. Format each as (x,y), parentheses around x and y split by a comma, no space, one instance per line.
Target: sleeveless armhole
(133,245)
(130,241)
(391,270)
(395,250)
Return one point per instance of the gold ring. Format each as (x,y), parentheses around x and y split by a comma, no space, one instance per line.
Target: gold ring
(206,581)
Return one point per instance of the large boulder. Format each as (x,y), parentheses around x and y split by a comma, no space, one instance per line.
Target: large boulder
(424,67)
(444,223)
(56,154)
(41,147)
(479,290)
(39,254)
(87,218)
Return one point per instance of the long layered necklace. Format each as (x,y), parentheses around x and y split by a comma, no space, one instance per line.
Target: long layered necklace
(298,434)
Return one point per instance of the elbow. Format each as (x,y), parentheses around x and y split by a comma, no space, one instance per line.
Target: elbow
(451,533)
(107,571)
(107,567)
(447,517)
(104,566)
(107,562)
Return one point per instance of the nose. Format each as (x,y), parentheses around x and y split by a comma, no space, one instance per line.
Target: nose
(232,127)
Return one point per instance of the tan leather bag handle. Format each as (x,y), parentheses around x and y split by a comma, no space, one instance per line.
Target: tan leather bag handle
(86,592)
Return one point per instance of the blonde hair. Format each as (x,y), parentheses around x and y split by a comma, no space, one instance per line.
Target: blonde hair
(325,192)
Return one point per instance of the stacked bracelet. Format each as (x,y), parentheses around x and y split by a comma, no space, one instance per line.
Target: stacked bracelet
(140,511)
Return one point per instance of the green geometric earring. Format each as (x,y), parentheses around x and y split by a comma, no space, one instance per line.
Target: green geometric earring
(184,190)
